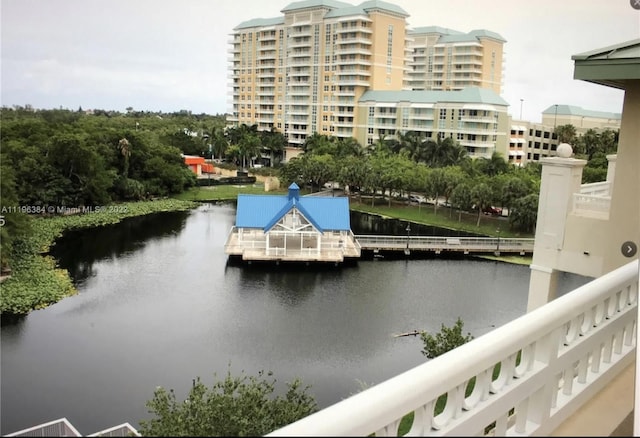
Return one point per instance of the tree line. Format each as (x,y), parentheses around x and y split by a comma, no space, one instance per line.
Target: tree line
(436,169)
(71,158)
(592,145)
(54,159)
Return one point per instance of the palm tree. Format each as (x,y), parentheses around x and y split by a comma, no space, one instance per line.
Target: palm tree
(381,146)
(441,152)
(316,143)
(219,143)
(481,196)
(566,133)
(273,142)
(125,150)
(591,142)
(348,147)
(412,144)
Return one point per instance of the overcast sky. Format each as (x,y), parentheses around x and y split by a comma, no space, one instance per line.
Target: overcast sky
(168,55)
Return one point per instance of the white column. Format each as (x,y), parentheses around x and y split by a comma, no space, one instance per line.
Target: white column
(561,178)
(543,286)
(611,169)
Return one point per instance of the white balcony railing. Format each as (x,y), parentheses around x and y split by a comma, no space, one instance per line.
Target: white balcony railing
(552,360)
(593,200)
(602,188)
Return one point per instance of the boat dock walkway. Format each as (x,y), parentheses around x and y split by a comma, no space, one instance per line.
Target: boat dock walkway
(466,245)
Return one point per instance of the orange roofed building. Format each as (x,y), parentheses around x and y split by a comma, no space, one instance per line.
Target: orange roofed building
(197,164)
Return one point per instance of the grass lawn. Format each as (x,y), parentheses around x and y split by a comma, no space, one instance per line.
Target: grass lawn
(444,217)
(423,214)
(224,192)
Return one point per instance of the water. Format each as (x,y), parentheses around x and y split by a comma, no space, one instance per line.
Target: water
(158,305)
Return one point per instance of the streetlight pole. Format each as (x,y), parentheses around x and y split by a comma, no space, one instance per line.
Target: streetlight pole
(498,245)
(521,100)
(555,117)
(408,231)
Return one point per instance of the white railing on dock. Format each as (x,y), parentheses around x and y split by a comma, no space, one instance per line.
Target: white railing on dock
(552,360)
(445,243)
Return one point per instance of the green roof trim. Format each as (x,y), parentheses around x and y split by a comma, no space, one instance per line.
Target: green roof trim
(345,12)
(454,36)
(306,4)
(628,49)
(484,33)
(434,29)
(467,95)
(260,22)
(385,6)
(571,110)
(612,66)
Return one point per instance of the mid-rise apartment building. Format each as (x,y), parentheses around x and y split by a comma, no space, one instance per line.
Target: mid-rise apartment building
(582,119)
(529,141)
(446,59)
(475,117)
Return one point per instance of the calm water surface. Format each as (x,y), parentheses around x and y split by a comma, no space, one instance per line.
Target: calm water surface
(158,306)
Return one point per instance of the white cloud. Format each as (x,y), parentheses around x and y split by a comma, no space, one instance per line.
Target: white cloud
(168,55)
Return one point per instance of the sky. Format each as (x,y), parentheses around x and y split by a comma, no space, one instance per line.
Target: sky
(172,55)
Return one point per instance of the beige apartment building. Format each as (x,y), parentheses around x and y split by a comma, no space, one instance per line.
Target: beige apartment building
(475,117)
(306,71)
(529,141)
(303,72)
(446,59)
(582,119)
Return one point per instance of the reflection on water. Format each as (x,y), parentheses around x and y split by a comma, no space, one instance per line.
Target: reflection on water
(78,250)
(364,223)
(160,305)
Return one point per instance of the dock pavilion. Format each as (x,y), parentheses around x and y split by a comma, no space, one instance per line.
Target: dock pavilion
(292,228)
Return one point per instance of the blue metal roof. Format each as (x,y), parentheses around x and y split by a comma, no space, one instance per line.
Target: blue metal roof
(264,211)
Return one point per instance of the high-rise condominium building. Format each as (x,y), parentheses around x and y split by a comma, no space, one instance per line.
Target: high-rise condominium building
(446,59)
(305,71)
